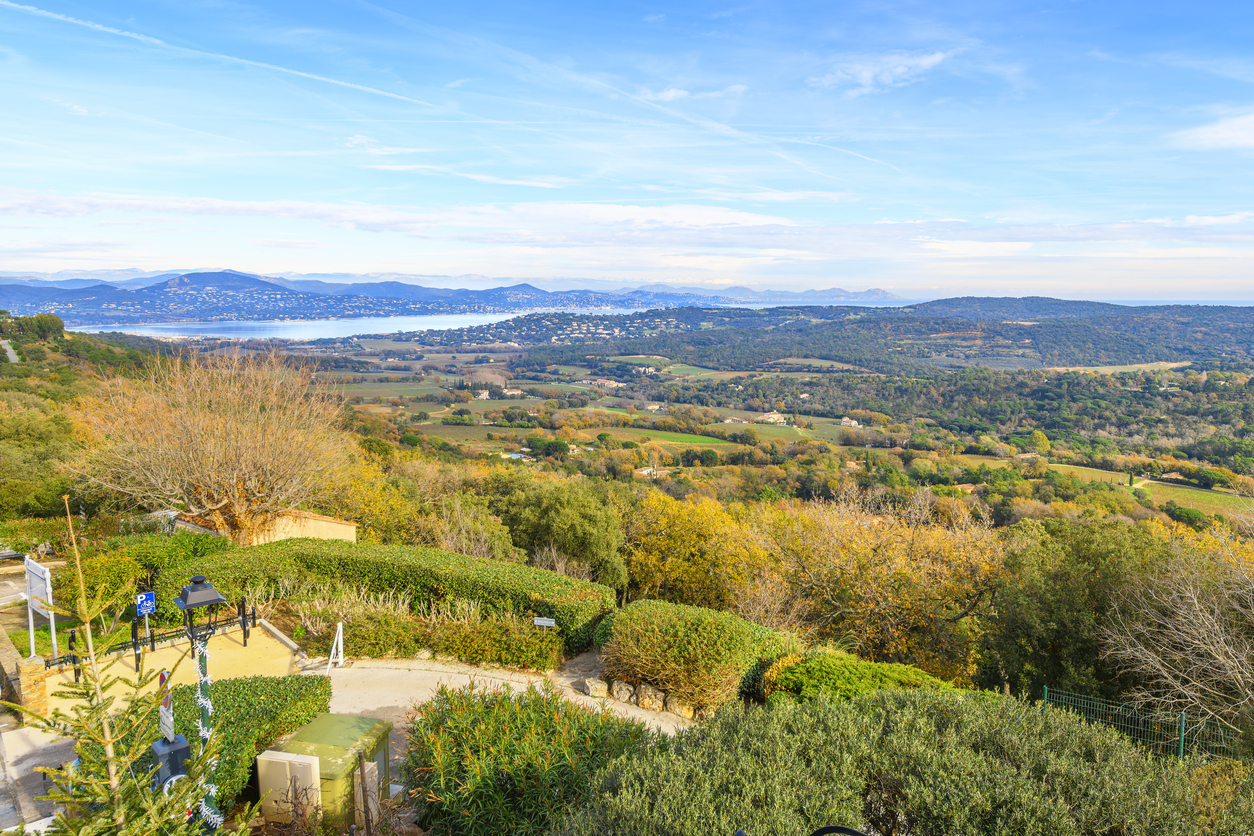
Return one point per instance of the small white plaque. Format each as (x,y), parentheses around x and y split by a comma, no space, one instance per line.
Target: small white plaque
(544,622)
(166,718)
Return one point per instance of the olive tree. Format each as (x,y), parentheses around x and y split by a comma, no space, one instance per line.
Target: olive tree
(235,440)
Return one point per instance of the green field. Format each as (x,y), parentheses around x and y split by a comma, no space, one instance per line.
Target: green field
(1092,474)
(1211,502)
(637,435)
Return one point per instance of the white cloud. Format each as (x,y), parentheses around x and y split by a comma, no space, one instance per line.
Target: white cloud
(658,18)
(872,73)
(288,244)
(1235,132)
(541,183)
(670,94)
(733,90)
(978,249)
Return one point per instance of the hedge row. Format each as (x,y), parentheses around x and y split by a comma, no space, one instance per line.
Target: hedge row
(508,642)
(699,656)
(429,574)
(249,714)
(231,572)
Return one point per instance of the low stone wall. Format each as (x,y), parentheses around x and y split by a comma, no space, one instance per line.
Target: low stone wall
(643,696)
(22,681)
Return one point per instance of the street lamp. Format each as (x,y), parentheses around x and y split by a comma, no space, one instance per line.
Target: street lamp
(202,595)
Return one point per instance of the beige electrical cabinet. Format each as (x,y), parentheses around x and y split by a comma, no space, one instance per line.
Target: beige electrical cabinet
(287,781)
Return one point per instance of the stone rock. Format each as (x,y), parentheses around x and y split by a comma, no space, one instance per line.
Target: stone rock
(622,692)
(423,654)
(593,687)
(679,709)
(650,698)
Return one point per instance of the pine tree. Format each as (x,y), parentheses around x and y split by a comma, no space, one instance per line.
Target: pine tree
(113,721)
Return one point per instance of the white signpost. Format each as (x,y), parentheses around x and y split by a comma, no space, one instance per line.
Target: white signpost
(165,714)
(39,600)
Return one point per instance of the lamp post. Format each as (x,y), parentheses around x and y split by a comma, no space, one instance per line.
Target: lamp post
(202,595)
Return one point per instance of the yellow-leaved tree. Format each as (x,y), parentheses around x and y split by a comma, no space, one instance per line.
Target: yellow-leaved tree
(906,585)
(690,552)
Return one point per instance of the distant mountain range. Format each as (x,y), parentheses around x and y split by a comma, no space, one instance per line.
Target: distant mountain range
(232,295)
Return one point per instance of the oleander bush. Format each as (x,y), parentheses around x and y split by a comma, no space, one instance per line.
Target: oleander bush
(699,656)
(481,762)
(427,574)
(249,714)
(921,762)
(839,675)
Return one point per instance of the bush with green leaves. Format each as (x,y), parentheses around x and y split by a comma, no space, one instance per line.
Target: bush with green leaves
(485,762)
(497,586)
(233,573)
(250,713)
(923,762)
(699,656)
(839,675)
(508,641)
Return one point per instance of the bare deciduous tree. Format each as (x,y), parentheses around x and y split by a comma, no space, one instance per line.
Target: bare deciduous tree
(232,439)
(1188,631)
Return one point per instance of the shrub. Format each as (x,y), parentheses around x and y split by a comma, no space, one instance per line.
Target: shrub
(231,572)
(509,642)
(923,762)
(427,574)
(157,552)
(249,714)
(487,762)
(841,676)
(699,656)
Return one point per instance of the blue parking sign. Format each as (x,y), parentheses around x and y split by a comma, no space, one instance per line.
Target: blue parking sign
(146,603)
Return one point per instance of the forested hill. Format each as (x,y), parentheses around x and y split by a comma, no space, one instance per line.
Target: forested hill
(1010,308)
(998,333)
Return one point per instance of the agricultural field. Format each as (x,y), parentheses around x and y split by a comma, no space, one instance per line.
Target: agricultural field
(1134,367)
(1210,502)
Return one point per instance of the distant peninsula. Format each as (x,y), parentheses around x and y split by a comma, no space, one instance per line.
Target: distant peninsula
(229,295)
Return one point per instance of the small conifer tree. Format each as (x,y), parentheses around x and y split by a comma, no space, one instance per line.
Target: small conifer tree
(113,721)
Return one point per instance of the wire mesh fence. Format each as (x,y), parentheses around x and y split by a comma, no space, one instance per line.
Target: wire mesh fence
(1163,733)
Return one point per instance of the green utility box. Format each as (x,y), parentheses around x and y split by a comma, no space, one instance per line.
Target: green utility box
(335,740)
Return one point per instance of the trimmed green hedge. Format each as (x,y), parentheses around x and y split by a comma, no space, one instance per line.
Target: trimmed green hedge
(231,573)
(842,676)
(250,714)
(435,575)
(508,642)
(699,656)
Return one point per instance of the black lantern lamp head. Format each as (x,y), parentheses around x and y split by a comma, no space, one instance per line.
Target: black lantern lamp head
(199,595)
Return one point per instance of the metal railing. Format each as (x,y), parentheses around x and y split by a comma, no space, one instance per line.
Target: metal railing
(152,639)
(1163,733)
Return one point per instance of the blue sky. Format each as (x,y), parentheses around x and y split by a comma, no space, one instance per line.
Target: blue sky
(1080,149)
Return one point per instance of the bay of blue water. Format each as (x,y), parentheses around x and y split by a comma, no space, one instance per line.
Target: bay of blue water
(314,329)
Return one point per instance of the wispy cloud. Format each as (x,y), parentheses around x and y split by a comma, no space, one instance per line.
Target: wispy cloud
(288,244)
(864,74)
(541,183)
(731,90)
(216,55)
(657,18)
(670,94)
(1234,132)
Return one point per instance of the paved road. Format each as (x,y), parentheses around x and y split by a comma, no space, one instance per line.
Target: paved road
(8,349)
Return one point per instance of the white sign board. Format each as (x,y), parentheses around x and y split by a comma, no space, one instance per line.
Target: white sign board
(165,718)
(544,622)
(38,587)
(38,597)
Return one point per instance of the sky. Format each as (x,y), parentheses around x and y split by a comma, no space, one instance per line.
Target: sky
(1075,149)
